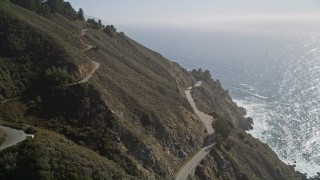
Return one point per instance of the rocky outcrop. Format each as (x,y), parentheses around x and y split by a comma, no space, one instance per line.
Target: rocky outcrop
(214,100)
(244,157)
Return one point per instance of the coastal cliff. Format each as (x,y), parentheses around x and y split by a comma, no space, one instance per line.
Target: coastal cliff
(130,119)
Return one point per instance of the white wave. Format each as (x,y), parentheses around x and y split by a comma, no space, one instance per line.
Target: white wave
(247,86)
(305,167)
(252,93)
(261,113)
(258,112)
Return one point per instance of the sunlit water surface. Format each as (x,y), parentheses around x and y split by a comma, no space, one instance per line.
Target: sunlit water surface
(270,68)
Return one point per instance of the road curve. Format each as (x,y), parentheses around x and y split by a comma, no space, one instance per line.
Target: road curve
(86,79)
(205,118)
(13,137)
(207,121)
(83,32)
(88,47)
(96,64)
(192,164)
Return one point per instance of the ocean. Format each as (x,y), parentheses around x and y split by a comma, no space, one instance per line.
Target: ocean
(272,68)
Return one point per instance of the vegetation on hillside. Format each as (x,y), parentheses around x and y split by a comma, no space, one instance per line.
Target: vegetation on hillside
(24,55)
(28,52)
(46,8)
(80,14)
(214,100)
(131,120)
(2,136)
(241,156)
(205,76)
(201,75)
(140,86)
(52,156)
(126,113)
(237,154)
(109,30)
(222,127)
(37,6)
(95,24)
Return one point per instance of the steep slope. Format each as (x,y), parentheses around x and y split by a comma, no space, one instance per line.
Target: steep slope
(244,157)
(11,137)
(131,119)
(207,121)
(142,89)
(2,136)
(132,111)
(237,155)
(214,100)
(51,156)
(30,45)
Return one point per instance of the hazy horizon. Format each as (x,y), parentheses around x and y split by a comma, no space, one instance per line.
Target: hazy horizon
(187,12)
(271,69)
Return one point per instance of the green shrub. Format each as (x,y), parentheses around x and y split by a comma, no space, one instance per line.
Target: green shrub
(146,119)
(8,160)
(248,143)
(30,130)
(94,24)
(219,141)
(241,136)
(110,30)
(96,48)
(229,144)
(57,77)
(2,137)
(202,75)
(223,127)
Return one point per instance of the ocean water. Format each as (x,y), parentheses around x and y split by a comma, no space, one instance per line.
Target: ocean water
(271,68)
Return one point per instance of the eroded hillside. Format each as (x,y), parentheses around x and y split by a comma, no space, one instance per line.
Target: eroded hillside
(132,111)
(130,120)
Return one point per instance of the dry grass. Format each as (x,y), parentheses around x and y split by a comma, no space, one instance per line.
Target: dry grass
(132,115)
(144,91)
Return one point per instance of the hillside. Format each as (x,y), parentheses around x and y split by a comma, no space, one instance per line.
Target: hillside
(2,136)
(131,120)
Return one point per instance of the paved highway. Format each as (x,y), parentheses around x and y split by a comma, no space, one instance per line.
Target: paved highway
(14,137)
(207,121)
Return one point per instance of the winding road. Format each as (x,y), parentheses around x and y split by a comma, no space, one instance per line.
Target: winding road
(86,79)
(96,64)
(207,121)
(88,47)
(83,32)
(205,118)
(13,137)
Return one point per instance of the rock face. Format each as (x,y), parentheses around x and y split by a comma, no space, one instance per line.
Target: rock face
(241,156)
(250,120)
(215,167)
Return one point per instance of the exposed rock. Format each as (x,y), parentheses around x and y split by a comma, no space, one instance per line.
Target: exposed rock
(250,120)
